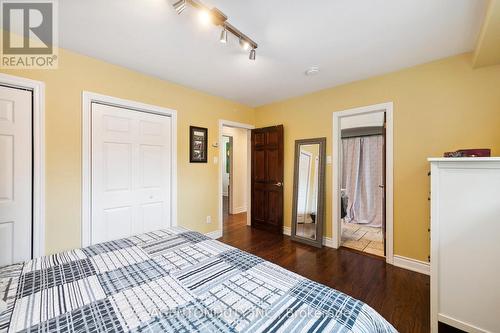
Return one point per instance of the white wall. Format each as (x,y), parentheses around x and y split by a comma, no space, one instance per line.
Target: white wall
(363,120)
(239,176)
(225,175)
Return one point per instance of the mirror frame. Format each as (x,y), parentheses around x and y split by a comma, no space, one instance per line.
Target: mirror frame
(318,242)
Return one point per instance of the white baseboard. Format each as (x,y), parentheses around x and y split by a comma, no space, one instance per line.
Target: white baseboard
(399,261)
(327,241)
(466,327)
(238,210)
(214,234)
(287,231)
(412,264)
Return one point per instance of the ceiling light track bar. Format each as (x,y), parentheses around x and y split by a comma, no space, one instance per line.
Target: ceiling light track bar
(218,18)
(232,29)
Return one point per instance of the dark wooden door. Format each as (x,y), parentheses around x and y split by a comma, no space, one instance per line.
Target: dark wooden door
(267,178)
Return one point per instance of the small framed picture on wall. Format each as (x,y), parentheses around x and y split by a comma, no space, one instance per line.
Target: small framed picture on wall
(198,141)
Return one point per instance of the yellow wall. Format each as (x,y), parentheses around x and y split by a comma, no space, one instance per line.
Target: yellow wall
(440,106)
(197,183)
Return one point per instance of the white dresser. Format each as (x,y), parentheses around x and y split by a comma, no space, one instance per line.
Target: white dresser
(465,243)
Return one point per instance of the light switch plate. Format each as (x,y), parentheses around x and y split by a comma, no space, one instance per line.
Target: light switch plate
(216,160)
(329,159)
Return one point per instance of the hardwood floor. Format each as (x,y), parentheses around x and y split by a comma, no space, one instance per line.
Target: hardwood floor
(401,296)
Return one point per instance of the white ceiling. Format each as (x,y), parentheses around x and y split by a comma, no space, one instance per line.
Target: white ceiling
(348,39)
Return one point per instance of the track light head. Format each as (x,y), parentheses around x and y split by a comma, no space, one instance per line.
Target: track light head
(252,54)
(179,6)
(223,36)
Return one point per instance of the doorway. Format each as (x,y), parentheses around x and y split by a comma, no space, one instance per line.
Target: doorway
(22,182)
(234,175)
(129,168)
(131,172)
(227,165)
(363,180)
(267,178)
(234,164)
(15,175)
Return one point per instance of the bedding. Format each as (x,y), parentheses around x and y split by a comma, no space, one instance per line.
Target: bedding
(172,280)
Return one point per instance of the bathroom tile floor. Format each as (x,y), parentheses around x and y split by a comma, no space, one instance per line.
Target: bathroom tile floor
(363,238)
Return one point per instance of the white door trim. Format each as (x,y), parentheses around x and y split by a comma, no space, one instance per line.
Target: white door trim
(248,127)
(87,99)
(336,178)
(38,90)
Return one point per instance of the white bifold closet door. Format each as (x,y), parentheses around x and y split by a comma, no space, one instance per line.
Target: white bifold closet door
(131,172)
(15,175)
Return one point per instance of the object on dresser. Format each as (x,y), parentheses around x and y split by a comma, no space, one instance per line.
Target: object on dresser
(469,153)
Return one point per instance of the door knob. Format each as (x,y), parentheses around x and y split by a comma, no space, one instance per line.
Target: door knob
(381,186)
(279,184)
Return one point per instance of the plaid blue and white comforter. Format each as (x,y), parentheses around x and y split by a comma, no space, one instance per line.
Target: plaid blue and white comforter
(176,281)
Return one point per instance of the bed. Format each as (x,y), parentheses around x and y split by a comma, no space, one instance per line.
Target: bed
(172,280)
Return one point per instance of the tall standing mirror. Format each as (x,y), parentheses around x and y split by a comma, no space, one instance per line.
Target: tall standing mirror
(308,191)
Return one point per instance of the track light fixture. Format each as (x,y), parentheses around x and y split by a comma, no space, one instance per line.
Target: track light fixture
(223,35)
(252,55)
(218,18)
(179,6)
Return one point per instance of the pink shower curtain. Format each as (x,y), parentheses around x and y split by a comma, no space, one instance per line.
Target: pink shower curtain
(361,176)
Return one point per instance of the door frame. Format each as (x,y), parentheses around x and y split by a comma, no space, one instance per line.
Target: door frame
(336,172)
(38,131)
(87,99)
(228,123)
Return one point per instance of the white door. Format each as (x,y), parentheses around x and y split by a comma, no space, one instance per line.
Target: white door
(15,175)
(131,172)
